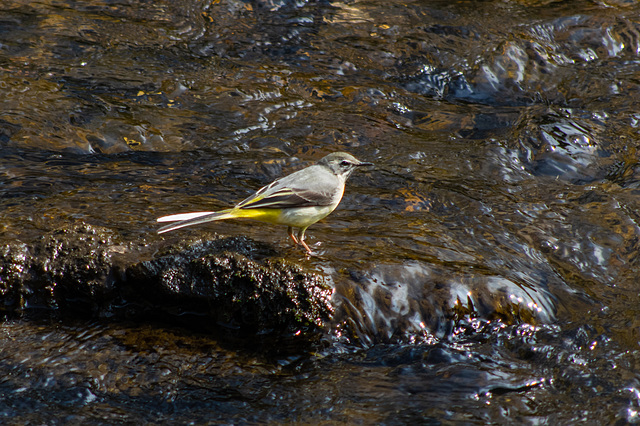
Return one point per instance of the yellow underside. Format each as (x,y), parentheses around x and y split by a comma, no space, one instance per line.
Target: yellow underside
(263,215)
(301,217)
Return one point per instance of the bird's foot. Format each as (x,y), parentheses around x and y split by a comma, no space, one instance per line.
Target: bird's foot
(306,247)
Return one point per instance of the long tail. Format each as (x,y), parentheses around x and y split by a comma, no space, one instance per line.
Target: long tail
(188,219)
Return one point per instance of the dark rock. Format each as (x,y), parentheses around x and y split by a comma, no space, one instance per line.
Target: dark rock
(13,264)
(71,269)
(231,284)
(236,292)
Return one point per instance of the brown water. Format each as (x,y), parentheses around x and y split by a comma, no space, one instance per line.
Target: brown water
(486,269)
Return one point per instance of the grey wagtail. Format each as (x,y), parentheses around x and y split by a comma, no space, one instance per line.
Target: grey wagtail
(298,200)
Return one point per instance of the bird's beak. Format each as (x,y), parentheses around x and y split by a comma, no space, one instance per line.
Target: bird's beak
(364,163)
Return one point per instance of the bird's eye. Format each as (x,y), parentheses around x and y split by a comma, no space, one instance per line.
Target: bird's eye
(345,163)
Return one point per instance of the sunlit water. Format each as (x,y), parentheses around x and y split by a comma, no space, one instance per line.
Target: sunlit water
(485,270)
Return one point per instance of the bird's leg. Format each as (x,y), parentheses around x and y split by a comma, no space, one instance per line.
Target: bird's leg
(301,239)
(293,237)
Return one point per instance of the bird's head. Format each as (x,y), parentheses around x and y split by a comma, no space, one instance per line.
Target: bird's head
(342,164)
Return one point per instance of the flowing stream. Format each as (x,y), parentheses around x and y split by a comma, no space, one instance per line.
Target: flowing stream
(486,269)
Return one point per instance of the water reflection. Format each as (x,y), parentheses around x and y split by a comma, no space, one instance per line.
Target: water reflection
(98,372)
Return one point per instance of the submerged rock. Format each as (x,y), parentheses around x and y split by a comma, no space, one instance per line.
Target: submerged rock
(231,284)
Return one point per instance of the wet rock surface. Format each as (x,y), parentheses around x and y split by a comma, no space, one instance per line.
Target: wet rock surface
(229,284)
(215,278)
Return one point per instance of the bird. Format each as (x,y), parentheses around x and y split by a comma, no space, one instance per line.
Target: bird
(297,200)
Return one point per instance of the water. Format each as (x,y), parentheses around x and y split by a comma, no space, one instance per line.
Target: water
(485,270)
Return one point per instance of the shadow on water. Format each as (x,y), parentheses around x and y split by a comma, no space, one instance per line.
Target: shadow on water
(485,271)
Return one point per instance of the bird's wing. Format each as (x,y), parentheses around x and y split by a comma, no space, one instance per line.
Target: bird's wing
(314,187)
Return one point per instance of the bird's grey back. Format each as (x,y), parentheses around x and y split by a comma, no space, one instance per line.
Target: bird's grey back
(313,186)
